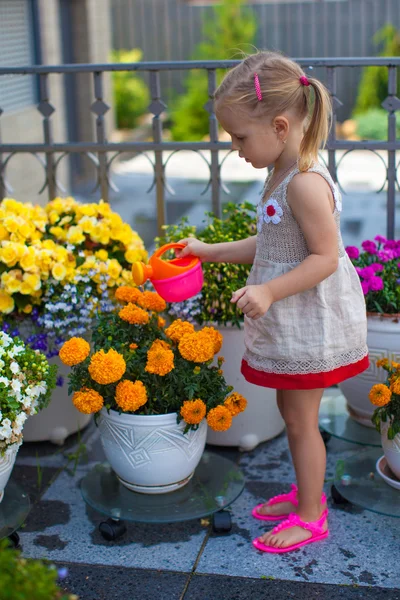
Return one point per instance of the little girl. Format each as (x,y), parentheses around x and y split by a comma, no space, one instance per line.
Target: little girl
(304,310)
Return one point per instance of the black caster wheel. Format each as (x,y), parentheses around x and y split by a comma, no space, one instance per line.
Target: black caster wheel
(222,522)
(325,436)
(337,496)
(15,541)
(112,529)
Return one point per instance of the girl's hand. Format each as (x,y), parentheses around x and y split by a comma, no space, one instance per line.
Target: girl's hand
(194,247)
(253,300)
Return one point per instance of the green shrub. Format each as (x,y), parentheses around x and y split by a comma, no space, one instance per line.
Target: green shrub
(373,124)
(131,96)
(220,280)
(26,579)
(373,88)
(227,26)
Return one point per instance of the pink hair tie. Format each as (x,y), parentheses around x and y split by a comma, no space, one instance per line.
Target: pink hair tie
(304,81)
(258,87)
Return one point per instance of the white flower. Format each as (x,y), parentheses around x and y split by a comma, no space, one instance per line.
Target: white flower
(19,423)
(14,367)
(5,430)
(272,212)
(5,381)
(16,386)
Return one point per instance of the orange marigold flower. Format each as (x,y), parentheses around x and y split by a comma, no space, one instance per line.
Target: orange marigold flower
(126,293)
(220,372)
(134,315)
(215,336)
(130,396)
(395,365)
(74,351)
(193,411)
(160,358)
(235,403)
(380,394)
(161,322)
(196,347)
(178,329)
(88,401)
(133,346)
(219,418)
(107,367)
(382,362)
(152,301)
(395,387)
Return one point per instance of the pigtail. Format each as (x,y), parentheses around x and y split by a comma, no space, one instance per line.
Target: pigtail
(317,131)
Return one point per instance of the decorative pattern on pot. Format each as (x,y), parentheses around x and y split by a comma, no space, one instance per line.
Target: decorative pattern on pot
(151,454)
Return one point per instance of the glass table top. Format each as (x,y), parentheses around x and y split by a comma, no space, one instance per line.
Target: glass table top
(216,483)
(359,482)
(335,419)
(14,509)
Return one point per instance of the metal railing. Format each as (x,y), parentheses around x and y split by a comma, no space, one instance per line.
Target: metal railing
(103,153)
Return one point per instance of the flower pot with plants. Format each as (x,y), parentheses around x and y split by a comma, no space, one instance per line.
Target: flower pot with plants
(262,420)
(385,398)
(154,391)
(26,383)
(59,265)
(378,266)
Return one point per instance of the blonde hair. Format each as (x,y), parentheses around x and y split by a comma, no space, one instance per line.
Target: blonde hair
(281,90)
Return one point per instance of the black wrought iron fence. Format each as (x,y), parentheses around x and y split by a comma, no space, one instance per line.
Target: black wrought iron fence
(103,153)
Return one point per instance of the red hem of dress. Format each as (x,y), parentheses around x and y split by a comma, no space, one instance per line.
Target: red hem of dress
(309,381)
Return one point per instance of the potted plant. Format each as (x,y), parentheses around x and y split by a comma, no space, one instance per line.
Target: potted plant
(26,383)
(262,420)
(378,268)
(59,265)
(153,390)
(385,397)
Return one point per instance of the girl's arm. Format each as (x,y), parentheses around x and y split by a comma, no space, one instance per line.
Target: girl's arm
(312,204)
(241,252)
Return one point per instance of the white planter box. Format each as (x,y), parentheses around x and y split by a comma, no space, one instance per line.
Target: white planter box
(383,342)
(60,419)
(6,467)
(391,449)
(261,420)
(151,454)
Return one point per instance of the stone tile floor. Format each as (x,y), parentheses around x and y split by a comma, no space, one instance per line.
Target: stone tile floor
(187,560)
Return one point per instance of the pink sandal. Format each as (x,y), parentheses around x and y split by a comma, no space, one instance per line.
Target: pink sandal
(316,528)
(290,497)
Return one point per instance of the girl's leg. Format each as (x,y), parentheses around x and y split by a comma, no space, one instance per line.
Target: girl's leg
(309,459)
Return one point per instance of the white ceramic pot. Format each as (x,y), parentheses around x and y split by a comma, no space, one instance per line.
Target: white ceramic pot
(6,466)
(261,420)
(391,449)
(60,419)
(150,453)
(383,342)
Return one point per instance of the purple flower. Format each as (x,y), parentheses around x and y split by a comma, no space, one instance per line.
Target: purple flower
(390,244)
(365,287)
(367,272)
(386,255)
(63,573)
(359,270)
(369,246)
(375,284)
(380,239)
(377,267)
(60,381)
(398,281)
(5,327)
(353,252)
(15,332)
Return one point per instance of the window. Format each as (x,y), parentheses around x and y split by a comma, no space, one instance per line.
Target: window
(16,49)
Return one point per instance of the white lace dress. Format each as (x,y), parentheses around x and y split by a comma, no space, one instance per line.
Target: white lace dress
(313,339)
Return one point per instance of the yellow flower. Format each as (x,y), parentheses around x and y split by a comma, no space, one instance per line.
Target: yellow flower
(113,268)
(161,322)
(219,418)
(88,225)
(178,329)
(235,403)
(59,272)
(58,233)
(28,260)
(11,224)
(107,367)
(27,309)
(4,233)
(134,315)
(133,255)
(380,394)
(9,255)
(88,401)
(12,281)
(6,303)
(196,347)
(215,336)
(193,411)
(152,301)
(160,358)
(75,235)
(395,387)
(30,283)
(74,351)
(130,396)
(126,293)
(101,254)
